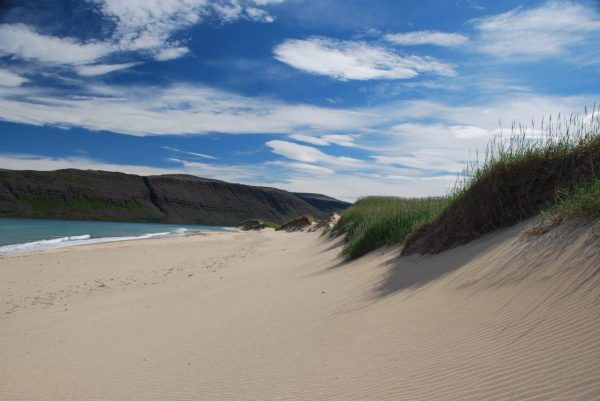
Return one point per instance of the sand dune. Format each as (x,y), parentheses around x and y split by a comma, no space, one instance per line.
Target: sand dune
(276,316)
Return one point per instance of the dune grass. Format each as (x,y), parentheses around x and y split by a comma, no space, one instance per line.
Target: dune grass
(582,201)
(374,222)
(519,176)
(564,138)
(533,168)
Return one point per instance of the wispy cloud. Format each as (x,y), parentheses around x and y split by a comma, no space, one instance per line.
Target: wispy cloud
(10,79)
(23,42)
(351,60)
(171,53)
(43,163)
(150,24)
(101,69)
(548,30)
(202,155)
(308,154)
(197,109)
(427,38)
(326,140)
(179,109)
(141,28)
(303,167)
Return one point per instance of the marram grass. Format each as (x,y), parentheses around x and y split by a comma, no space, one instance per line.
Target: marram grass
(374,222)
(554,138)
(582,201)
(380,221)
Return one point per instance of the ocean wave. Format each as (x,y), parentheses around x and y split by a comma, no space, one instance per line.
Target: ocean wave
(84,239)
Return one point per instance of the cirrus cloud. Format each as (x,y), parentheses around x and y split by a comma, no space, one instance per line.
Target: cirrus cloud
(548,30)
(23,42)
(351,60)
(10,79)
(427,38)
(326,140)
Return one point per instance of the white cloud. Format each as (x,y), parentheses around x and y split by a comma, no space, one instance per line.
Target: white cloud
(145,26)
(296,152)
(314,140)
(308,154)
(186,109)
(101,69)
(267,2)
(32,162)
(469,131)
(150,24)
(340,140)
(21,41)
(175,110)
(171,53)
(548,30)
(350,187)
(202,155)
(257,14)
(10,79)
(432,160)
(326,140)
(249,174)
(348,60)
(427,38)
(303,167)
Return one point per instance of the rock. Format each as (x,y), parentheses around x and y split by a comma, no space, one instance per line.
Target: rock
(250,225)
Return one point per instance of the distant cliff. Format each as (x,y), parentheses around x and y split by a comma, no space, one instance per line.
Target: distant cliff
(102,195)
(323,202)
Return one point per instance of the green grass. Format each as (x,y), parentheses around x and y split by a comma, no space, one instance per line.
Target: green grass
(582,201)
(556,164)
(271,224)
(519,176)
(374,222)
(556,138)
(48,204)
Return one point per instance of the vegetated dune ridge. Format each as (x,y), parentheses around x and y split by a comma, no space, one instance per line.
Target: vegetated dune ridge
(277,316)
(510,189)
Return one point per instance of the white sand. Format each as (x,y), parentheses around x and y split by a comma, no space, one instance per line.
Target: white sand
(276,316)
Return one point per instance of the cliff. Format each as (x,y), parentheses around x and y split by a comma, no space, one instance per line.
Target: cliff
(323,202)
(102,195)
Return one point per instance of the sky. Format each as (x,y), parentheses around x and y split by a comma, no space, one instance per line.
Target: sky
(343,97)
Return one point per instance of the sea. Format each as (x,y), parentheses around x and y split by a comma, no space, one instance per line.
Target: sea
(19,235)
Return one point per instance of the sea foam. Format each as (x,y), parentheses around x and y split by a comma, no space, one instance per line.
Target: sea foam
(85,239)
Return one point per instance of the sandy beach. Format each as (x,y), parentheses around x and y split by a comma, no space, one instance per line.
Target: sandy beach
(278,316)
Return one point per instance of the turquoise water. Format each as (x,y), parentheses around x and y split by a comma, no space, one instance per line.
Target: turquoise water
(22,235)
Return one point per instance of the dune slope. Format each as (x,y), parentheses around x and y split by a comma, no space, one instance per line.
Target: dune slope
(276,316)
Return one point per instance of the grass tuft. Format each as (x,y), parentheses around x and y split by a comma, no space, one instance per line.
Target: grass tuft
(582,201)
(374,222)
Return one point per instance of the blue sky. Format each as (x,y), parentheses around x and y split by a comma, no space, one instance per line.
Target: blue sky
(347,98)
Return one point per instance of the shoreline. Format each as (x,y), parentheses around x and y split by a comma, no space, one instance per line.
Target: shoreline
(274,315)
(106,240)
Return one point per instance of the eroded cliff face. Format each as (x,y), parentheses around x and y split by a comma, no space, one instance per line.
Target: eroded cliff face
(101,195)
